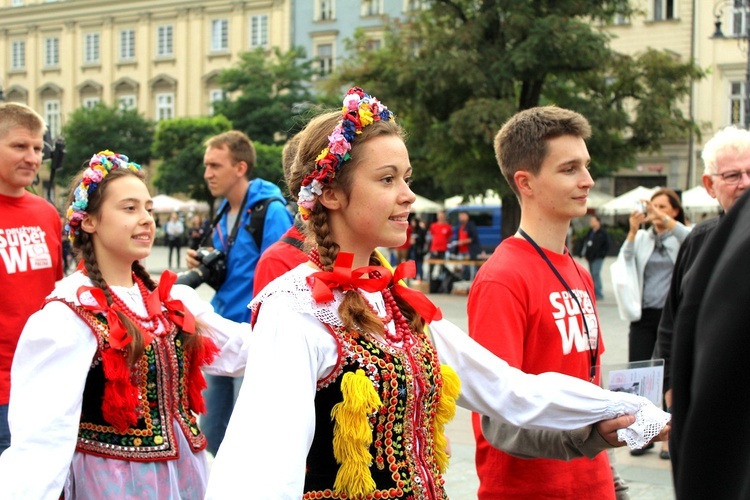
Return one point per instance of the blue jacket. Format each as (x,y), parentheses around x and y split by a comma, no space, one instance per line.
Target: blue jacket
(234,295)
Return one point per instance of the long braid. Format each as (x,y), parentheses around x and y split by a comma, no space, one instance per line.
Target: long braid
(135,348)
(327,248)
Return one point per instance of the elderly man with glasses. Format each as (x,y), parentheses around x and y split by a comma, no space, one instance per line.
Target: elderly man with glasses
(726,159)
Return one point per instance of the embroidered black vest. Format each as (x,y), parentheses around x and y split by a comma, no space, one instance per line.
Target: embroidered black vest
(163,401)
(409,385)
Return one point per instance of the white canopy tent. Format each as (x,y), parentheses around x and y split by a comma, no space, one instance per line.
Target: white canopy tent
(167,204)
(490,197)
(625,203)
(423,205)
(697,201)
(597,198)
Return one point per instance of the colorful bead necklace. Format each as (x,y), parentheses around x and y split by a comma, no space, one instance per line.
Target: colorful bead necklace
(148,323)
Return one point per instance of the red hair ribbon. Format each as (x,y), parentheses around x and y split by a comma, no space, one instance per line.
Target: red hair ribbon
(176,310)
(346,278)
(414,298)
(118,334)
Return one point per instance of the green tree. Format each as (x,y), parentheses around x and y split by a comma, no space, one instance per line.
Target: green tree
(90,130)
(456,72)
(268,164)
(180,144)
(266,93)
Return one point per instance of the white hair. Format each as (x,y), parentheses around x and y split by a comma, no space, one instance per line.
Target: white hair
(731,138)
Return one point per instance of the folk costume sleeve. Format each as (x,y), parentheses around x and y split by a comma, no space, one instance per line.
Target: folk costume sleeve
(49,372)
(229,336)
(489,386)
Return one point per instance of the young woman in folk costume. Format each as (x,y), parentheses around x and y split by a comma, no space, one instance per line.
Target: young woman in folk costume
(107,381)
(355,392)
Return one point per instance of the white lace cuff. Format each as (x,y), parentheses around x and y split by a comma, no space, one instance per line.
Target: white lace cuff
(649,421)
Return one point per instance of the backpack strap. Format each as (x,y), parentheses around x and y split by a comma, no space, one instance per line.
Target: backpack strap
(258,219)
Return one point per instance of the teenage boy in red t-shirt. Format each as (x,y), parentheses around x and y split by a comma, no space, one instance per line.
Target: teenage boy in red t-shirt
(533,305)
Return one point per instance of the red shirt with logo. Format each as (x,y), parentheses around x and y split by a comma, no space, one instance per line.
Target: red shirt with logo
(30,263)
(519,310)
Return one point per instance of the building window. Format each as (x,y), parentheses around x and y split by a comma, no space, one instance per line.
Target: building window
(91,48)
(324,10)
(18,55)
(737,103)
(372,8)
(164,41)
(740,18)
(664,9)
(51,52)
(126,102)
(127,45)
(373,44)
(324,58)
(52,117)
(164,106)
(410,5)
(259,31)
(219,35)
(213,96)
(91,102)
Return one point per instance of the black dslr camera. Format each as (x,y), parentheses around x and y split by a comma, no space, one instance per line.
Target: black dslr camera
(212,270)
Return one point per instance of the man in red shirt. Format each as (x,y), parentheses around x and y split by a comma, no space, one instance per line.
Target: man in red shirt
(30,238)
(441,233)
(533,305)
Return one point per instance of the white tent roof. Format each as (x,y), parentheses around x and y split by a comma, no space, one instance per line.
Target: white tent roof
(625,203)
(697,199)
(423,205)
(490,197)
(164,204)
(597,198)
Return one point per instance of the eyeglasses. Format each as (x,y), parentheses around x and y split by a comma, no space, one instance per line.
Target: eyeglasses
(733,176)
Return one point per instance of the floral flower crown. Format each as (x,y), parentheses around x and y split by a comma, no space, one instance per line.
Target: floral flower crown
(100,165)
(359,110)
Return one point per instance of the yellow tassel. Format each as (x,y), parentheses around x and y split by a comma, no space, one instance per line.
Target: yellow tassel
(352,435)
(445,413)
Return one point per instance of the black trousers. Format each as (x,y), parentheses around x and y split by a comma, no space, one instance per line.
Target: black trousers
(642,336)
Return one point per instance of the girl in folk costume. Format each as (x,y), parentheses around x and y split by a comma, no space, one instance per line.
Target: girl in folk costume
(107,381)
(357,392)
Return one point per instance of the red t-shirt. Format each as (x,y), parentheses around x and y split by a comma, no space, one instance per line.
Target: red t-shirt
(278,259)
(463,234)
(30,263)
(441,235)
(519,310)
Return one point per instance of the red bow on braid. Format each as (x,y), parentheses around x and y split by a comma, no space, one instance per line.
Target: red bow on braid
(346,278)
(176,310)
(118,335)
(414,298)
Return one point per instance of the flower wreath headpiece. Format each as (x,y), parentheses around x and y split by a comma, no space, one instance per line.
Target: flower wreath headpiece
(100,165)
(359,111)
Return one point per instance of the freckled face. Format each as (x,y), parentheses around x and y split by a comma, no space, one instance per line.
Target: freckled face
(376,211)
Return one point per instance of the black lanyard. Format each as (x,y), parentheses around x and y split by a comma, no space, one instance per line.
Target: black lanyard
(594,353)
(230,242)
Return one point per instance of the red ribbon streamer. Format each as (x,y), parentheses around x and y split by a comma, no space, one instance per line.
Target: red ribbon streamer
(343,277)
(419,301)
(346,278)
(176,310)
(118,334)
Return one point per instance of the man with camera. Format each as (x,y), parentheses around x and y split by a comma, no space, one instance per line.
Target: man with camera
(252,217)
